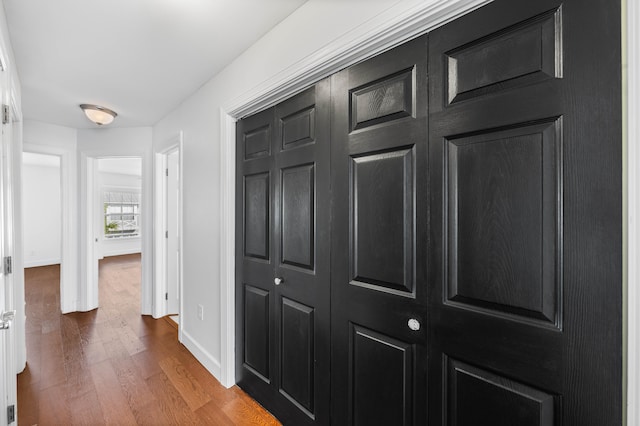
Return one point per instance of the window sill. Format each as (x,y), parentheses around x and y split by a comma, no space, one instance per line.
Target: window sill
(121,237)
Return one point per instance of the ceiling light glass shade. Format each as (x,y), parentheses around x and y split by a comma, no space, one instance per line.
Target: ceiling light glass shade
(97,114)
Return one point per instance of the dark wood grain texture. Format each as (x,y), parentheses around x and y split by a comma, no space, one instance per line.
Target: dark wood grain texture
(476,188)
(256,216)
(378,239)
(526,225)
(383,209)
(298,216)
(113,366)
(283,351)
(503,196)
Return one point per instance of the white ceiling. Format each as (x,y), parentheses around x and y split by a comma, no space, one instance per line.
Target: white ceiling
(141,58)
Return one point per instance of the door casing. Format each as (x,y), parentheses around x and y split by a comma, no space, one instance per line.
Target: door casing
(8,302)
(88,266)
(160,226)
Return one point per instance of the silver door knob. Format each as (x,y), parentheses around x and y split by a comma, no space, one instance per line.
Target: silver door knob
(414,324)
(278,280)
(6,318)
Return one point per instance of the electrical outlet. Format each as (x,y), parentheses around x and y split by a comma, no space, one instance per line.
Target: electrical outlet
(200,312)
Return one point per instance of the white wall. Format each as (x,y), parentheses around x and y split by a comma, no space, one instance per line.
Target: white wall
(41,215)
(304,33)
(51,135)
(117,181)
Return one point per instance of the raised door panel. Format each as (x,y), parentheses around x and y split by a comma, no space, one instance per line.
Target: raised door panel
(257,143)
(256,215)
(478,397)
(382,228)
(382,379)
(256,331)
(524,53)
(387,99)
(298,216)
(503,196)
(298,354)
(298,128)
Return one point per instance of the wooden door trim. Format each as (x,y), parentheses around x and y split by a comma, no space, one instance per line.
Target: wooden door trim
(391,28)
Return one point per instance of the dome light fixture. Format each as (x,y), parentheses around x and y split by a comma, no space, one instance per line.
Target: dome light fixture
(97,114)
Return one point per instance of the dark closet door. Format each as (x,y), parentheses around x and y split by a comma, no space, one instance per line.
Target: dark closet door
(283,257)
(525,171)
(379,241)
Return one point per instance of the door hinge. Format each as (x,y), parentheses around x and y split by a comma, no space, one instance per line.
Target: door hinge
(166,296)
(11,414)
(7,265)
(166,171)
(5,114)
(166,234)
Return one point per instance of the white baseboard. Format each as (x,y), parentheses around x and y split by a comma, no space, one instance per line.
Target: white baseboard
(41,262)
(205,358)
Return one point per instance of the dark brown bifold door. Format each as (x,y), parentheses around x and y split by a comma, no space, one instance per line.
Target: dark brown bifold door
(525,177)
(282,274)
(379,244)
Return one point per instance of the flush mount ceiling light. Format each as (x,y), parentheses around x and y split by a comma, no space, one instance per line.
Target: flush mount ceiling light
(97,114)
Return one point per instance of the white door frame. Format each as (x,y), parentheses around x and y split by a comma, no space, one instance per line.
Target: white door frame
(68,253)
(631,192)
(388,29)
(18,258)
(7,352)
(88,293)
(160,225)
(14,352)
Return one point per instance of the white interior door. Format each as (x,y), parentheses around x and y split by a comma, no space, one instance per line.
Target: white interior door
(173,232)
(8,385)
(5,368)
(89,289)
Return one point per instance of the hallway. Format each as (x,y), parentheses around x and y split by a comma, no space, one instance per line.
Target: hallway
(114,366)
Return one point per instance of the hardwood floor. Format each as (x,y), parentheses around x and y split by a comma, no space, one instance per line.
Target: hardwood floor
(114,366)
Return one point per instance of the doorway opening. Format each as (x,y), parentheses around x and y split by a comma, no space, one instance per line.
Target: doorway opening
(114,211)
(42,220)
(42,210)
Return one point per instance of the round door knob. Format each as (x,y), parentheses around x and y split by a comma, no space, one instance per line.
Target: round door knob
(278,280)
(414,324)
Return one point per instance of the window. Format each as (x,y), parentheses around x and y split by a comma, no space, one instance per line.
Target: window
(121,214)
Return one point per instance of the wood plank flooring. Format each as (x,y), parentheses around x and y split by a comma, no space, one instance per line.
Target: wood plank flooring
(113,366)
